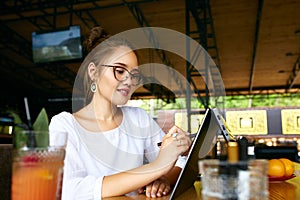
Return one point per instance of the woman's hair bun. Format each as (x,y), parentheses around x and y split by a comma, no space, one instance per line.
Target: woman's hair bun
(96,36)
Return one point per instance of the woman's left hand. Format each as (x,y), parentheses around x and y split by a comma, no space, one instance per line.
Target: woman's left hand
(158,188)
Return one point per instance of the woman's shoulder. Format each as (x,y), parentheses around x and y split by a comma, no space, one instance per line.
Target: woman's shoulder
(63,115)
(62,118)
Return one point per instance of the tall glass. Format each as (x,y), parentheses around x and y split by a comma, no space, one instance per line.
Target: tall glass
(5,170)
(37,165)
(243,180)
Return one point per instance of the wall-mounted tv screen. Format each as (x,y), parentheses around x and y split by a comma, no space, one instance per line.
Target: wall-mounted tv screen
(57,46)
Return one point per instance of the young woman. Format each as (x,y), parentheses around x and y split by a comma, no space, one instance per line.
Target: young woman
(112,149)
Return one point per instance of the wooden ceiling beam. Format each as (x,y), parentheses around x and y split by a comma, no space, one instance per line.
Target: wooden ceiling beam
(257,28)
(294,74)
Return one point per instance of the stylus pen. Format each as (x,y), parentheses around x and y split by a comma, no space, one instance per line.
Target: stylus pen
(191,136)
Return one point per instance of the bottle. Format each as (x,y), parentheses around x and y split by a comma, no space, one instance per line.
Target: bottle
(233,152)
(228,172)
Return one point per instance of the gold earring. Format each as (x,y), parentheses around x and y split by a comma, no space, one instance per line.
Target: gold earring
(93,87)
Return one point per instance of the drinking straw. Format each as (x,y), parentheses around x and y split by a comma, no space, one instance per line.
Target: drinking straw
(27,113)
(31,142)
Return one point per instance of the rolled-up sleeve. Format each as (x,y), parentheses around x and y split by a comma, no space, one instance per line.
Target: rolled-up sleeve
(181,161)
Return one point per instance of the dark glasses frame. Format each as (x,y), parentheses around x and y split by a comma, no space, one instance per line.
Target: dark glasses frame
(136,79)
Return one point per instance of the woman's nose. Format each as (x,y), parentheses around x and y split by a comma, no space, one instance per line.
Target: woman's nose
(128,80)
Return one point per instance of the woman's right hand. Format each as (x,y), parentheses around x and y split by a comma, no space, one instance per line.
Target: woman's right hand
(175,143)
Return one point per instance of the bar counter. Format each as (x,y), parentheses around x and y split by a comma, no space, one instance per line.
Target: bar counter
(283,190)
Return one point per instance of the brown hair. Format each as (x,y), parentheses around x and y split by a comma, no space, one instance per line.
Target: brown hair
(95,37)
(99,46)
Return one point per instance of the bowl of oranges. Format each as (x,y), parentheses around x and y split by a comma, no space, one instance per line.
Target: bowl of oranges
(280,169)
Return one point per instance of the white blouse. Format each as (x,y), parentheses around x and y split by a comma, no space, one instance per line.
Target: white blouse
(90,156)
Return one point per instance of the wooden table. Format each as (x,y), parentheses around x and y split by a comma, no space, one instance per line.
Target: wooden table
(289,189)
(285,190)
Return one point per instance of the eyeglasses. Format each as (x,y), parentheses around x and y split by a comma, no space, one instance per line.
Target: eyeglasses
(122,74)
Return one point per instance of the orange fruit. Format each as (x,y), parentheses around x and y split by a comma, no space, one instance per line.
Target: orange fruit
(276,168)
(289,166)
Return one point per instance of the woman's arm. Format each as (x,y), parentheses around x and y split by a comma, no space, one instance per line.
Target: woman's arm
(125,182)
(136,178)
(173,175)
(162,186)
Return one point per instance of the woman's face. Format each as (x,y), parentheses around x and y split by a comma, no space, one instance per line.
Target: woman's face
(118,92)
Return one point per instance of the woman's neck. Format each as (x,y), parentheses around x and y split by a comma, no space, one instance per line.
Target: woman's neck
(103,111)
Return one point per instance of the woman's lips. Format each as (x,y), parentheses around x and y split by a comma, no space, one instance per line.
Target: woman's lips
(124,92)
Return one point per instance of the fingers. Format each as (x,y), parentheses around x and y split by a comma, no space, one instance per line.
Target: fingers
(141,190)
(181,136)
(157,189)
(179,131)
(175,143)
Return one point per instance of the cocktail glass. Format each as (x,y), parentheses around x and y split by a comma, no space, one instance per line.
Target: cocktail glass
(37,165)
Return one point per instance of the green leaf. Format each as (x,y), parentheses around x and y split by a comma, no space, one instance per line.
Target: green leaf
(20,140)
(41,124)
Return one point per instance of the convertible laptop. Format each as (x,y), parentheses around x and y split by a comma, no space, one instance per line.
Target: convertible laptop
(203,142)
